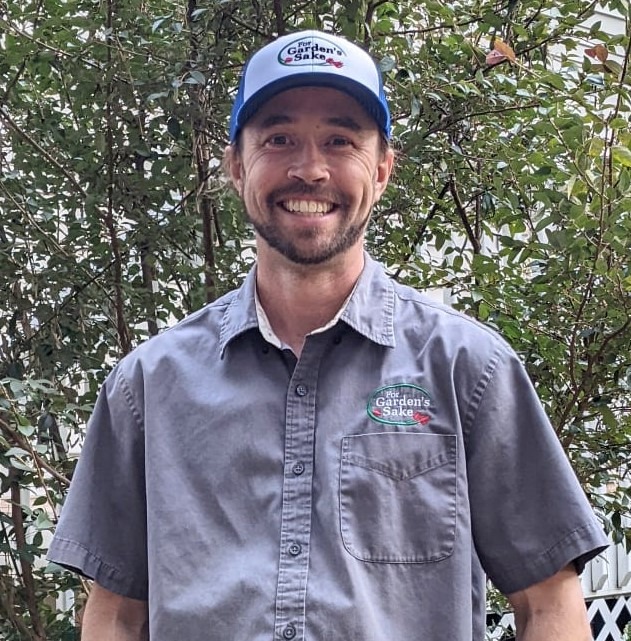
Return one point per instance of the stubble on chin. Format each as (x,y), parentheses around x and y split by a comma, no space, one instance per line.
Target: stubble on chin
(318,254)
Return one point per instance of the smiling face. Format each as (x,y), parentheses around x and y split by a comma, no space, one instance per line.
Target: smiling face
(309,168)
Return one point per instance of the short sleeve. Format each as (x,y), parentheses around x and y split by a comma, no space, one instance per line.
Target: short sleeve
(102,530)
(530,516)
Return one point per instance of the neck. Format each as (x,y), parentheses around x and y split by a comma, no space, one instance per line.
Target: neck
(301,298)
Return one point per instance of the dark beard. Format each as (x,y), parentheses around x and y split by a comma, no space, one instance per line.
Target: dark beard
(286,246)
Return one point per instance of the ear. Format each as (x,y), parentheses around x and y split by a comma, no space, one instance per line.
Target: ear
(233,167)
(382,172)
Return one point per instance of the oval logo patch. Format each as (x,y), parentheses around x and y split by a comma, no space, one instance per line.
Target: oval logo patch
(401,404)
(312,51)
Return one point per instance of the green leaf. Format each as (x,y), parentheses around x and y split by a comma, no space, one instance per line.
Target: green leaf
(387,63)
(621,155)
(196,77)
(16,451)
(19,465)
(43,522)
(25,427)
(158,22)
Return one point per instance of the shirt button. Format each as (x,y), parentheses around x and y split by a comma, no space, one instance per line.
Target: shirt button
(302,390)
(289,632)
(295,549)
(298,468)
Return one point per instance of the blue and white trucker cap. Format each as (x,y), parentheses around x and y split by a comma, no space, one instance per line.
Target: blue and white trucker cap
(310,59)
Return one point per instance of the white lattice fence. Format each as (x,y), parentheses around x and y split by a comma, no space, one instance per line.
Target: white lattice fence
(502,629)
(609,618)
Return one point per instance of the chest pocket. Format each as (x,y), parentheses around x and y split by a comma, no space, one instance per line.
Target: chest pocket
(398,496)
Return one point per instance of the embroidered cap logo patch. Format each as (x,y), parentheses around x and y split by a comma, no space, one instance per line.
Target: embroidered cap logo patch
(401,404)
(311,51)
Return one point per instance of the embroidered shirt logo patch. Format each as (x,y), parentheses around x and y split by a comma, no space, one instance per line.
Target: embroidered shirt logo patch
(401,404)
(311,51)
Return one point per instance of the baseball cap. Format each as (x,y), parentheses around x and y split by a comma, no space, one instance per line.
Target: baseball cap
(310,59)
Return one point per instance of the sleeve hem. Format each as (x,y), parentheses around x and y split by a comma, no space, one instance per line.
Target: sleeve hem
(77,558)
(581,544)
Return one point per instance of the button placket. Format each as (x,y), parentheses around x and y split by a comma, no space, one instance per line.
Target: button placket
(297,498)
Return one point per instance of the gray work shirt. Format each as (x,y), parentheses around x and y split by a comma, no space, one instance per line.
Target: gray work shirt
(359,492)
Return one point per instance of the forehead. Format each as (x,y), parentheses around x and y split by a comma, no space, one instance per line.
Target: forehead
(314,105)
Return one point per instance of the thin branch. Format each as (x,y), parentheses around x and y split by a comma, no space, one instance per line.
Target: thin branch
(24,443)
(622,81)
(535,14)
(462,212)
(370,12)
(17,517)
(420,232)
(12,83)
(437,27)
(53,161)
(248,27)
(108,218)
(563,26)
(8,27)
(449,121)
(5,534)
(7,592)
(278,16)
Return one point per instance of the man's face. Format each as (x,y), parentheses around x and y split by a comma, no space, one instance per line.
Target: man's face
(309,169)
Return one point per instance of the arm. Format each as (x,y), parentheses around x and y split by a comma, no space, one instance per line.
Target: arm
(111,617)
(553,610)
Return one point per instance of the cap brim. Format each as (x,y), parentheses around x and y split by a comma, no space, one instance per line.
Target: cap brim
(366,98)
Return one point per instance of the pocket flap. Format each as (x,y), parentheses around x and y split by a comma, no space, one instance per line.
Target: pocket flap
(399,455)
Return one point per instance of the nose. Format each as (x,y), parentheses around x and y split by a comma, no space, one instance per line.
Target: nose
(309,164)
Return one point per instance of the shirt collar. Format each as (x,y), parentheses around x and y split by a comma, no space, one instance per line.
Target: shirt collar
(369,309)
(268,332)
(240,315)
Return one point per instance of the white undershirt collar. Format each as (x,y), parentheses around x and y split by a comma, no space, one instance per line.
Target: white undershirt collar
(270,336)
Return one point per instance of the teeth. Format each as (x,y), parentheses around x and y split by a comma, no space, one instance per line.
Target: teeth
(308,206)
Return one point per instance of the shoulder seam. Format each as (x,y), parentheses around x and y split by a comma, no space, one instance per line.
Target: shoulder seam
(480,389)
(221,304)
(421,300)
(129,398)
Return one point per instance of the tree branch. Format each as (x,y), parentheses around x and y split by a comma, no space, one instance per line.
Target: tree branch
(450,120)
(420,232)
(278,15)
(108,218)
(7,601)
(462,212)
(24,443)
(33,143)
(17,517)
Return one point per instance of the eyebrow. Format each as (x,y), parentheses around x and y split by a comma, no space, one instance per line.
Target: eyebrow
(345,122)
(273,120)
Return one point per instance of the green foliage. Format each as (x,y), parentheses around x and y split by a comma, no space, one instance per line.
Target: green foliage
(512,192)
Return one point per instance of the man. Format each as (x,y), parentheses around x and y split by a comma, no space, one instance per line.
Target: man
(322,454)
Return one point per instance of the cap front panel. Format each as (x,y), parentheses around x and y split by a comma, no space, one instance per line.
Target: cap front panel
(310,52)
(310,58)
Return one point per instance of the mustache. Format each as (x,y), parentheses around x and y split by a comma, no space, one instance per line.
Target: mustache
(304,191)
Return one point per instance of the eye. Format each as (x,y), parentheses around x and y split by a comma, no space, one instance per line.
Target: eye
(339,141)
(278,140)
